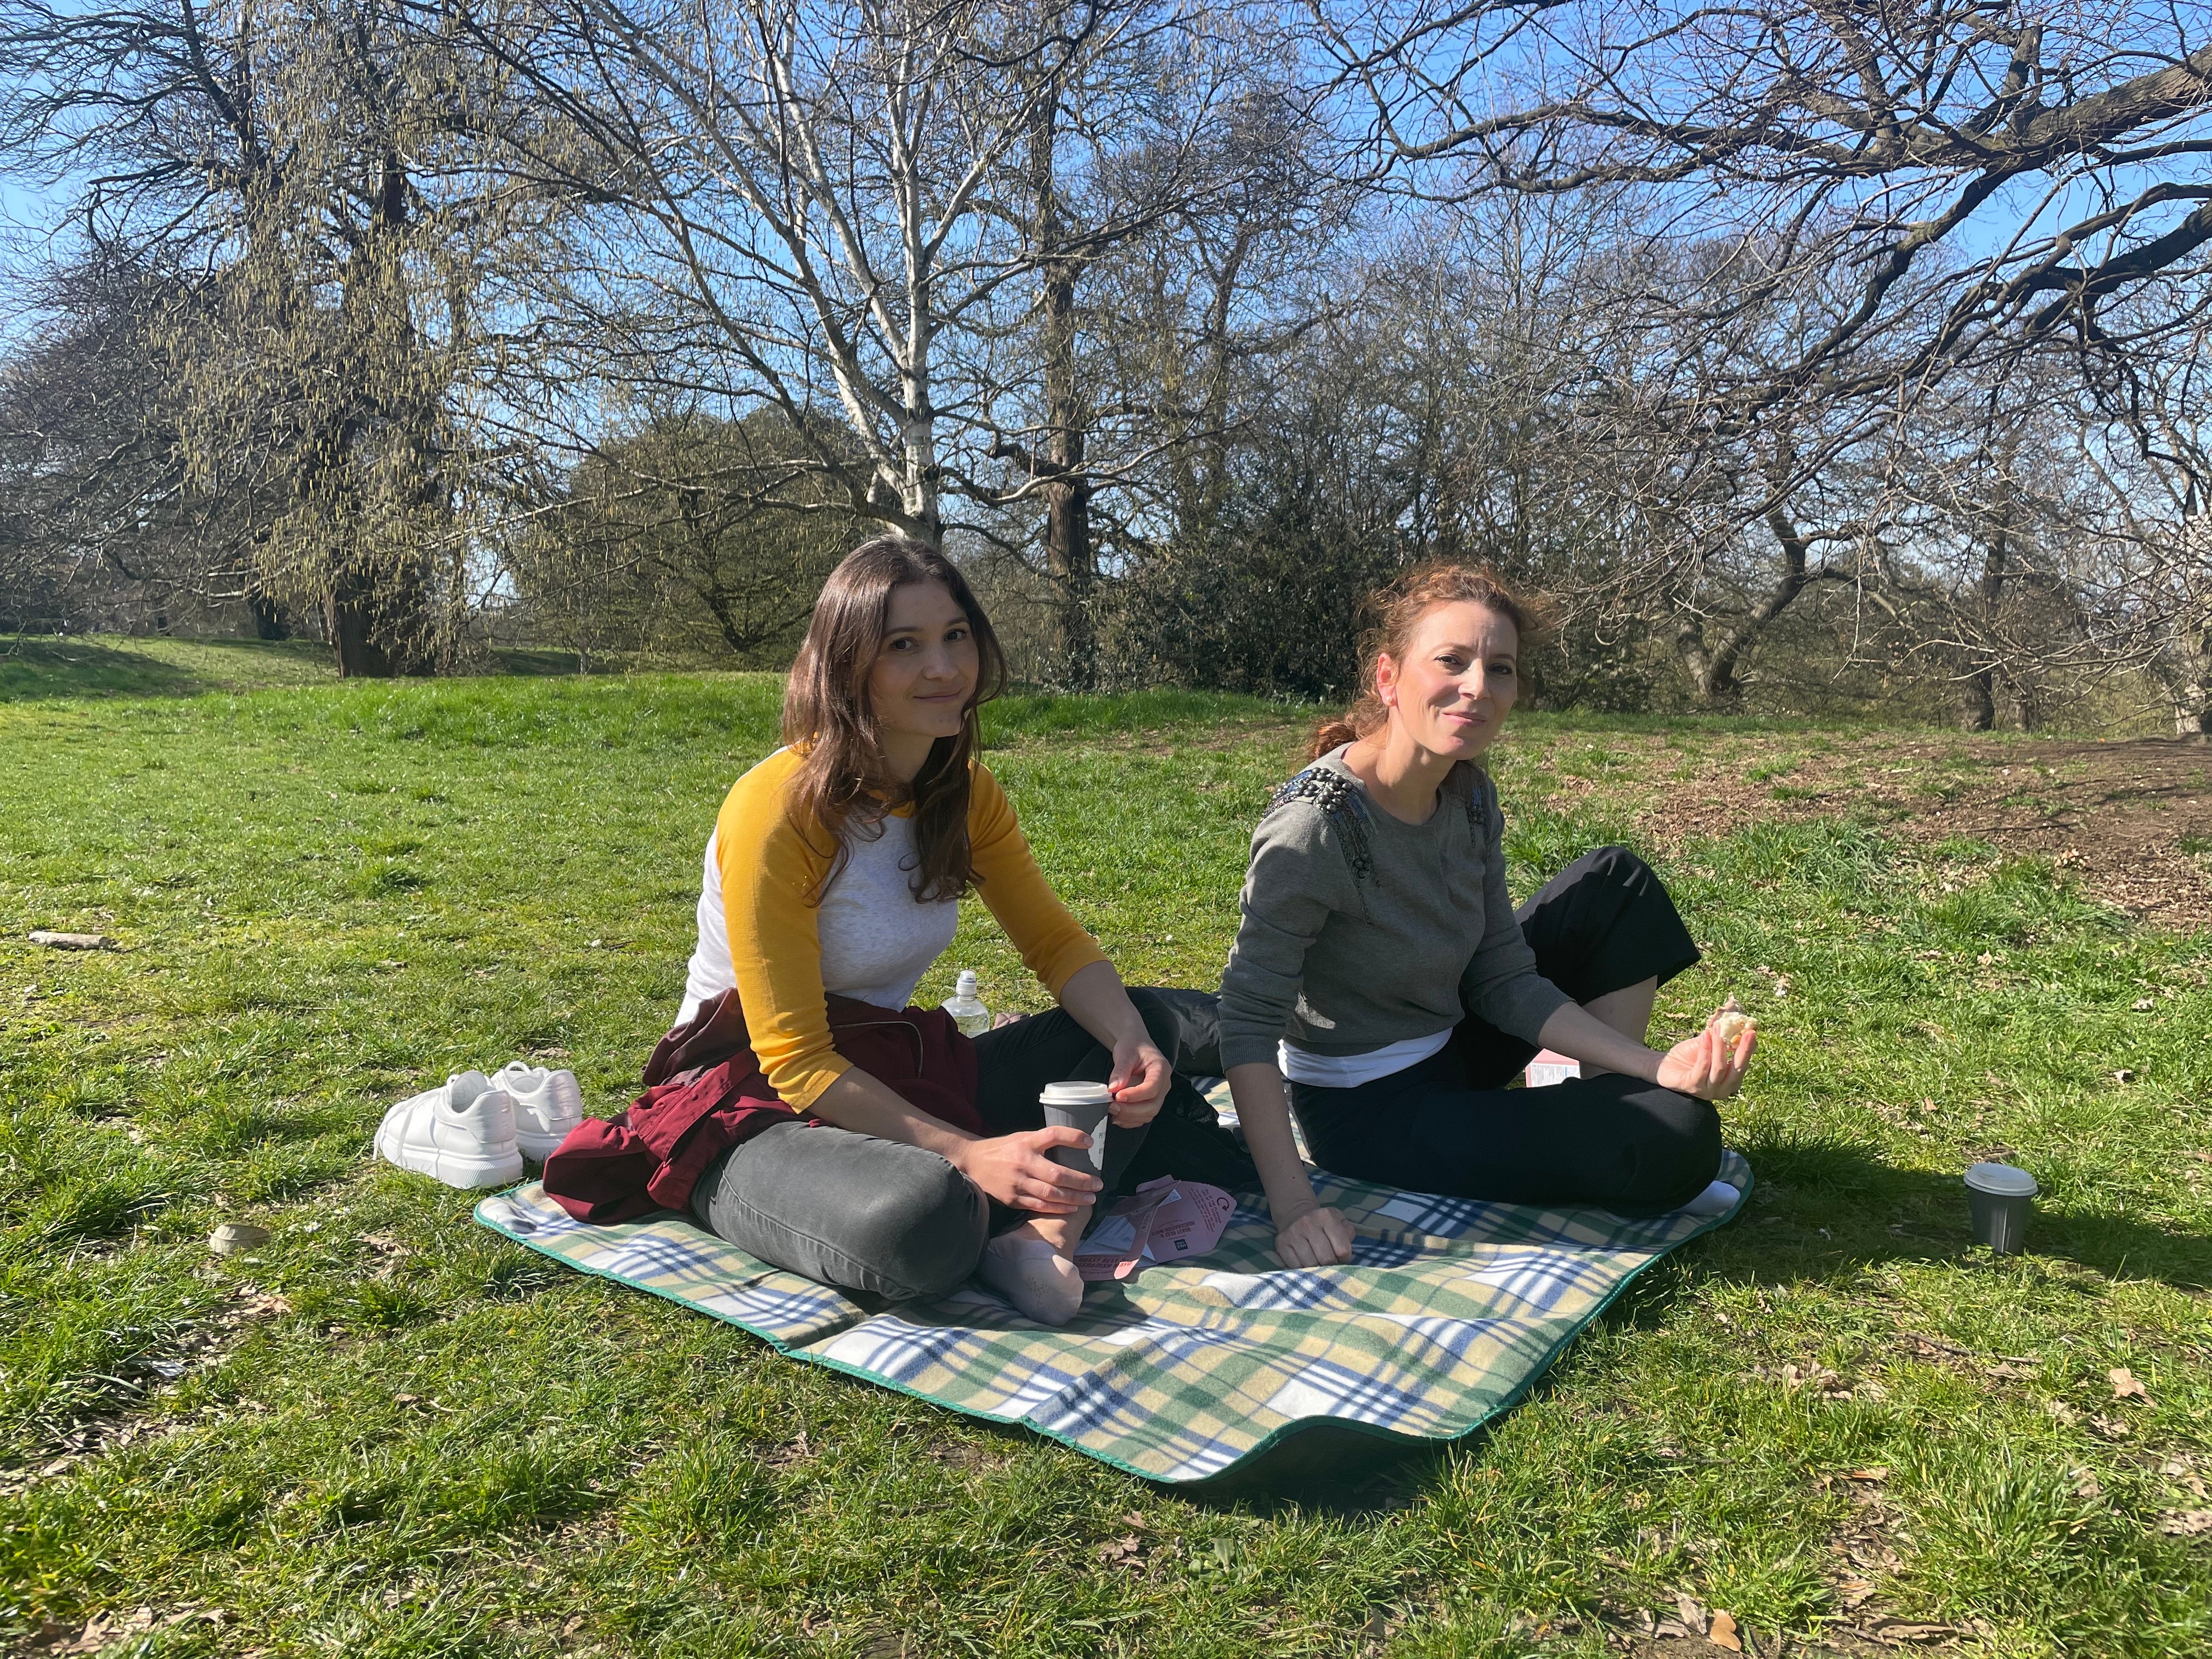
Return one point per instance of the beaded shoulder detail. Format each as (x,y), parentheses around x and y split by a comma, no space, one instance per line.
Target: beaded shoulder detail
(1473,800)
(1339,801)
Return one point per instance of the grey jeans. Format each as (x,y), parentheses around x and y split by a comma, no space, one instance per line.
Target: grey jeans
(878,1215)
(846,1209)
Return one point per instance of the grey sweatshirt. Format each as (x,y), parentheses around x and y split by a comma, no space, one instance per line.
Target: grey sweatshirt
(1361,930)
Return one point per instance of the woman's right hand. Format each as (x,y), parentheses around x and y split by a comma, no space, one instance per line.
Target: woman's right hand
(1320,1237)
(1015,1170)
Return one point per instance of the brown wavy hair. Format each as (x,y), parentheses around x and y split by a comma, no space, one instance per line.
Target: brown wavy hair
(1397,610)
(841,785)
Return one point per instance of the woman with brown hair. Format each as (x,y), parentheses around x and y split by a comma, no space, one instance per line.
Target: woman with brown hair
(835,872)
(1380,970)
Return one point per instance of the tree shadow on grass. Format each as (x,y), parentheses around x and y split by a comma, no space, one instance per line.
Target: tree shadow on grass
(34,670)
(47,668)
(535,662)
(1820,1212)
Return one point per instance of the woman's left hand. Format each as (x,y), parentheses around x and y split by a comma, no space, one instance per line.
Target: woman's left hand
(1705,1066)
(1138,1082)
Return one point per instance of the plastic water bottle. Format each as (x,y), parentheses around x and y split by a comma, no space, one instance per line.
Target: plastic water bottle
(966,1008)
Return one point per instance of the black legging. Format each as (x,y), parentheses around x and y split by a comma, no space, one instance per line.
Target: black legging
(1450,1126)
(1015,1063)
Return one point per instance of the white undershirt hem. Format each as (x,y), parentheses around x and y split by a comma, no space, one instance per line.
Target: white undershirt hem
(1350,1071)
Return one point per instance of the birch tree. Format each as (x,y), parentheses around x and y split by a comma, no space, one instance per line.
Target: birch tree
(801,204)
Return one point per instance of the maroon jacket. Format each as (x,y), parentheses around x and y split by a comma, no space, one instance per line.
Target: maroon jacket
(705,1093)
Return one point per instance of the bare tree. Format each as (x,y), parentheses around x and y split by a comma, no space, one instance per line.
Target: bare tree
(794,210)
(2049,146)
(1850,214)
(301,165)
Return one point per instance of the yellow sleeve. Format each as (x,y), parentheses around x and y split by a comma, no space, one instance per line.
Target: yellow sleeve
(775,946)
(1052,942)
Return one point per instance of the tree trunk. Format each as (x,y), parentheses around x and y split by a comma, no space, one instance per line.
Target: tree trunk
(1712,672)
(1978,697)
(2190,687)
(1069,558)
(1713,665)
(351,613)
(1980,690)
(267,620)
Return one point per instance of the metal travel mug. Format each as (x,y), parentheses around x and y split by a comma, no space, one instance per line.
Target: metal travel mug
(1078,1106)
(2001,1199)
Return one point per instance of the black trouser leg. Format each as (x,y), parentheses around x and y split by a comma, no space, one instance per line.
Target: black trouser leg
(1617,1142)
(1015,1061)
(1602,924)
(1450,1125)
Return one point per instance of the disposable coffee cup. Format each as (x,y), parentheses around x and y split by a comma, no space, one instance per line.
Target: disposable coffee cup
(1078,1106)
(237,1237)
(2001,1199)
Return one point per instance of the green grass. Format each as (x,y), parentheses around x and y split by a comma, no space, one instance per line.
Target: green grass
(391,1432)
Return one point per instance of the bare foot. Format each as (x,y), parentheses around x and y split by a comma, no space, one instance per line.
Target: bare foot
(1033,1265)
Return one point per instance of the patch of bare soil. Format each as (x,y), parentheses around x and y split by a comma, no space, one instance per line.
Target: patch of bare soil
(2131,821)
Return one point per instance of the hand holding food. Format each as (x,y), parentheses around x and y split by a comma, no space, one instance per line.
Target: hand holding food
(1731,1022)
(1710,1066)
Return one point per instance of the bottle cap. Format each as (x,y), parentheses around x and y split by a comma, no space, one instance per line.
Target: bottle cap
(965,985)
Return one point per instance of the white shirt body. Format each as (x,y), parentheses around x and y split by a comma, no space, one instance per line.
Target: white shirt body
(877,940)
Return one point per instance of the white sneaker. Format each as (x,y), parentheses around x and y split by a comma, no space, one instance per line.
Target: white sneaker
(461,1133)
(547,1105)
(1718,1199)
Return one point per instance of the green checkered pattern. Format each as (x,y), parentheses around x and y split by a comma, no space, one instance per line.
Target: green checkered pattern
(1446,1314)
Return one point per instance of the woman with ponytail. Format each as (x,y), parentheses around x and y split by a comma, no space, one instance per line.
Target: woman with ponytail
(1380,972)
(832,884)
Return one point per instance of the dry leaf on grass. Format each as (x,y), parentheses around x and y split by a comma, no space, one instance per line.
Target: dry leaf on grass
(2125,1385)
(105,1630)
(1692,1616)
(2186,1523)
(2190,1481)
(1897,1632)
(1722,1633)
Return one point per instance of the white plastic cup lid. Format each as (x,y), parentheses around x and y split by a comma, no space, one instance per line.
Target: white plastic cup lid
(1076,1094)
(2001,1181)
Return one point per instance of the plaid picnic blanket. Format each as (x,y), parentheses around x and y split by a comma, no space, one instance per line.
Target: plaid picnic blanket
(1449,1311)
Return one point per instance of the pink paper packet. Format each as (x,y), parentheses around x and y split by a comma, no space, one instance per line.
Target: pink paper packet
(1165,1220)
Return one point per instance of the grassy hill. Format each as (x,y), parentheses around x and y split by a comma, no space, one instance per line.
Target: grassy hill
(391,1432)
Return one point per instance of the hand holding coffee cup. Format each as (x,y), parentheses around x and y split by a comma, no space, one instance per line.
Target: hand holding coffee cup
(1084,1107)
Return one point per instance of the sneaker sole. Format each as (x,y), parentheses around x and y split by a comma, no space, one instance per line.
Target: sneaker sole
(466,1170)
